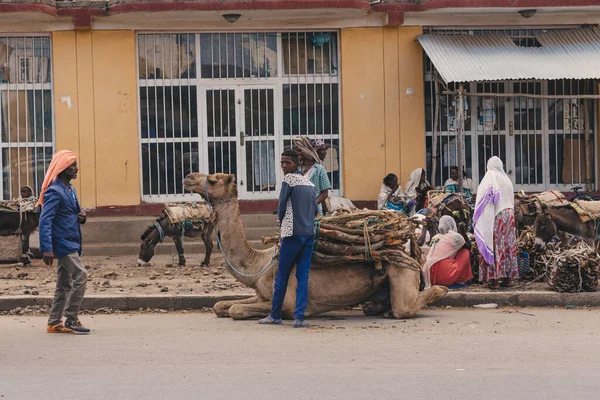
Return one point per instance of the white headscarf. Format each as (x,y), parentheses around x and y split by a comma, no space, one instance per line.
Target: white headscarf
(494,195)
(413,183)
(445,245)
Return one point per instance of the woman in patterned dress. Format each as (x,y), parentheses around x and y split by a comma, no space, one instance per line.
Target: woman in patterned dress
(495,228)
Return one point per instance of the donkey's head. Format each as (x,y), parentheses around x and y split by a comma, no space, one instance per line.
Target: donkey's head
(150,238)
(545,229)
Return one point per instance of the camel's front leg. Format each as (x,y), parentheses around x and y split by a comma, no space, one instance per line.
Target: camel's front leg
(222,308)
(404,292)
(246,311)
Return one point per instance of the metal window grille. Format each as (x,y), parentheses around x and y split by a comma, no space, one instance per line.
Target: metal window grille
(26,121)
(229,102)
(541,141)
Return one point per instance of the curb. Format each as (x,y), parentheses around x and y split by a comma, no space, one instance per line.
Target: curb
(192,302)
(178,302)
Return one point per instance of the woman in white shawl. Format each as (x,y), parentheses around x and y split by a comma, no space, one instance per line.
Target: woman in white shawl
(495,228)
(449,258)
(417,187)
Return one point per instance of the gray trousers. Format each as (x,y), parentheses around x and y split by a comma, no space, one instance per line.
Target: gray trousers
(71,281)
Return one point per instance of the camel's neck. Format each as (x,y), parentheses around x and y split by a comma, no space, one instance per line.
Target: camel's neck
(242,257)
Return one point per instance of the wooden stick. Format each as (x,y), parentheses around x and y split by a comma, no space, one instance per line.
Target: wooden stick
(529,96)
(460,134)
(434,139)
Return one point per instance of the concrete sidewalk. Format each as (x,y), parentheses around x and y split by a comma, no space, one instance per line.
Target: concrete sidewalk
(190,302)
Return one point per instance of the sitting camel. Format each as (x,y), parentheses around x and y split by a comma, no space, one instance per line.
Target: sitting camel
(330,288)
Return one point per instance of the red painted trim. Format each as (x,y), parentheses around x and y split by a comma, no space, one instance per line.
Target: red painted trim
(20,7)
(437,4)
(82,17)
(237,5)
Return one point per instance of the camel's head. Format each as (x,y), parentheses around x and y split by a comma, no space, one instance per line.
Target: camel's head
(214,187)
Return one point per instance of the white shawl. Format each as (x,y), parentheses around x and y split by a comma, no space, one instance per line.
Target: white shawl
(494,195)
(443,246)
(413,183)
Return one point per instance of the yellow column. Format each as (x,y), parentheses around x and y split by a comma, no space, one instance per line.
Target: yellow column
(412,101)
(363,112)
(116,118)
(392,100)
(87,148)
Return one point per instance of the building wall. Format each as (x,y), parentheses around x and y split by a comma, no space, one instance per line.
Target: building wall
(382,107)
(96,113)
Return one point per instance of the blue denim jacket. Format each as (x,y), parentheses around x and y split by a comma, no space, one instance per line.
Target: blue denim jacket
(59,229)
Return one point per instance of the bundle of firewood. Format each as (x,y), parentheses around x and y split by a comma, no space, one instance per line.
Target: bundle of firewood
(573,270)
(374,237)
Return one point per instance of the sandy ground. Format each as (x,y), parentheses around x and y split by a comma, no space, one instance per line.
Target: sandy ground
(121,275)
(449,354)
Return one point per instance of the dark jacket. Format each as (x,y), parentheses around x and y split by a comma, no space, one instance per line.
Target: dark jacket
(59,227)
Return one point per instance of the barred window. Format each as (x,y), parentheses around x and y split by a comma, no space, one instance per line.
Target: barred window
(26,123)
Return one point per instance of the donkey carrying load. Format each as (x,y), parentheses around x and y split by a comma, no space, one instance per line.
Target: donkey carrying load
(528,207)
(19,217)
(189,220)
(579,218)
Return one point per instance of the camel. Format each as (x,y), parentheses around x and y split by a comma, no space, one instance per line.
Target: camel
(330,288)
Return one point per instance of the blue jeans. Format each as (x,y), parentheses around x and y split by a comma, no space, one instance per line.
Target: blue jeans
(297,250)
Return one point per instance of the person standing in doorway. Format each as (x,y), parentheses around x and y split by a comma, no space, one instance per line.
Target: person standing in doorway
(296,212)
(60,238)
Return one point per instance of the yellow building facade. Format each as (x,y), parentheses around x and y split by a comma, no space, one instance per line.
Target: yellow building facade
(382,82)
(146,96)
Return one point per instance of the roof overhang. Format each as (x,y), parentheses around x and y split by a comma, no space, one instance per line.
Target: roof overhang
(564,54)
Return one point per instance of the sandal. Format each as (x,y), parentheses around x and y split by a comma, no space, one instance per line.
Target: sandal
(493,286)
(506,283)
(300,324)
(269,321)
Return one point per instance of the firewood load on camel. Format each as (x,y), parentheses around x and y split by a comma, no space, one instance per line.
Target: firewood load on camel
(376,238)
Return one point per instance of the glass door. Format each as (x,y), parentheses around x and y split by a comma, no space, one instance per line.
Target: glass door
(258,142)
(221,127)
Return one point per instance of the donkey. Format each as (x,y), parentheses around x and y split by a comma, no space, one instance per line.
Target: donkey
(163,227)
(561,220)
(20,223)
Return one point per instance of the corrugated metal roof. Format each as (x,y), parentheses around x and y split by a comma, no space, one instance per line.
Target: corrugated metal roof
(568,54)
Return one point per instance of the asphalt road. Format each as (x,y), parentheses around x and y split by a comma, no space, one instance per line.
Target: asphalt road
(449,354)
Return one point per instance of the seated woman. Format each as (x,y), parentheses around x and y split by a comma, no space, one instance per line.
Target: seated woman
(417,188)
(391,196)
(449,258)
(451,185)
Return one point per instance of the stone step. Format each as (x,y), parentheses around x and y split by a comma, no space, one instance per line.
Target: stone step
(130,229)
(166,248)
(120,236)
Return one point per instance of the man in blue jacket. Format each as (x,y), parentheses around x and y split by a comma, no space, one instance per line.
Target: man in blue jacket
(60,237)
(297,211)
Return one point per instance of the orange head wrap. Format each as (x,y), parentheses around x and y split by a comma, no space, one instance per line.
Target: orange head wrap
(61,161)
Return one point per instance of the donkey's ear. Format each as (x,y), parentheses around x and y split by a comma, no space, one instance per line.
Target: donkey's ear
(544,207)
(230,179)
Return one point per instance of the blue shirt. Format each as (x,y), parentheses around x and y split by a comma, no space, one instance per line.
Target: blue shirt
(297,206)
(59,227)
